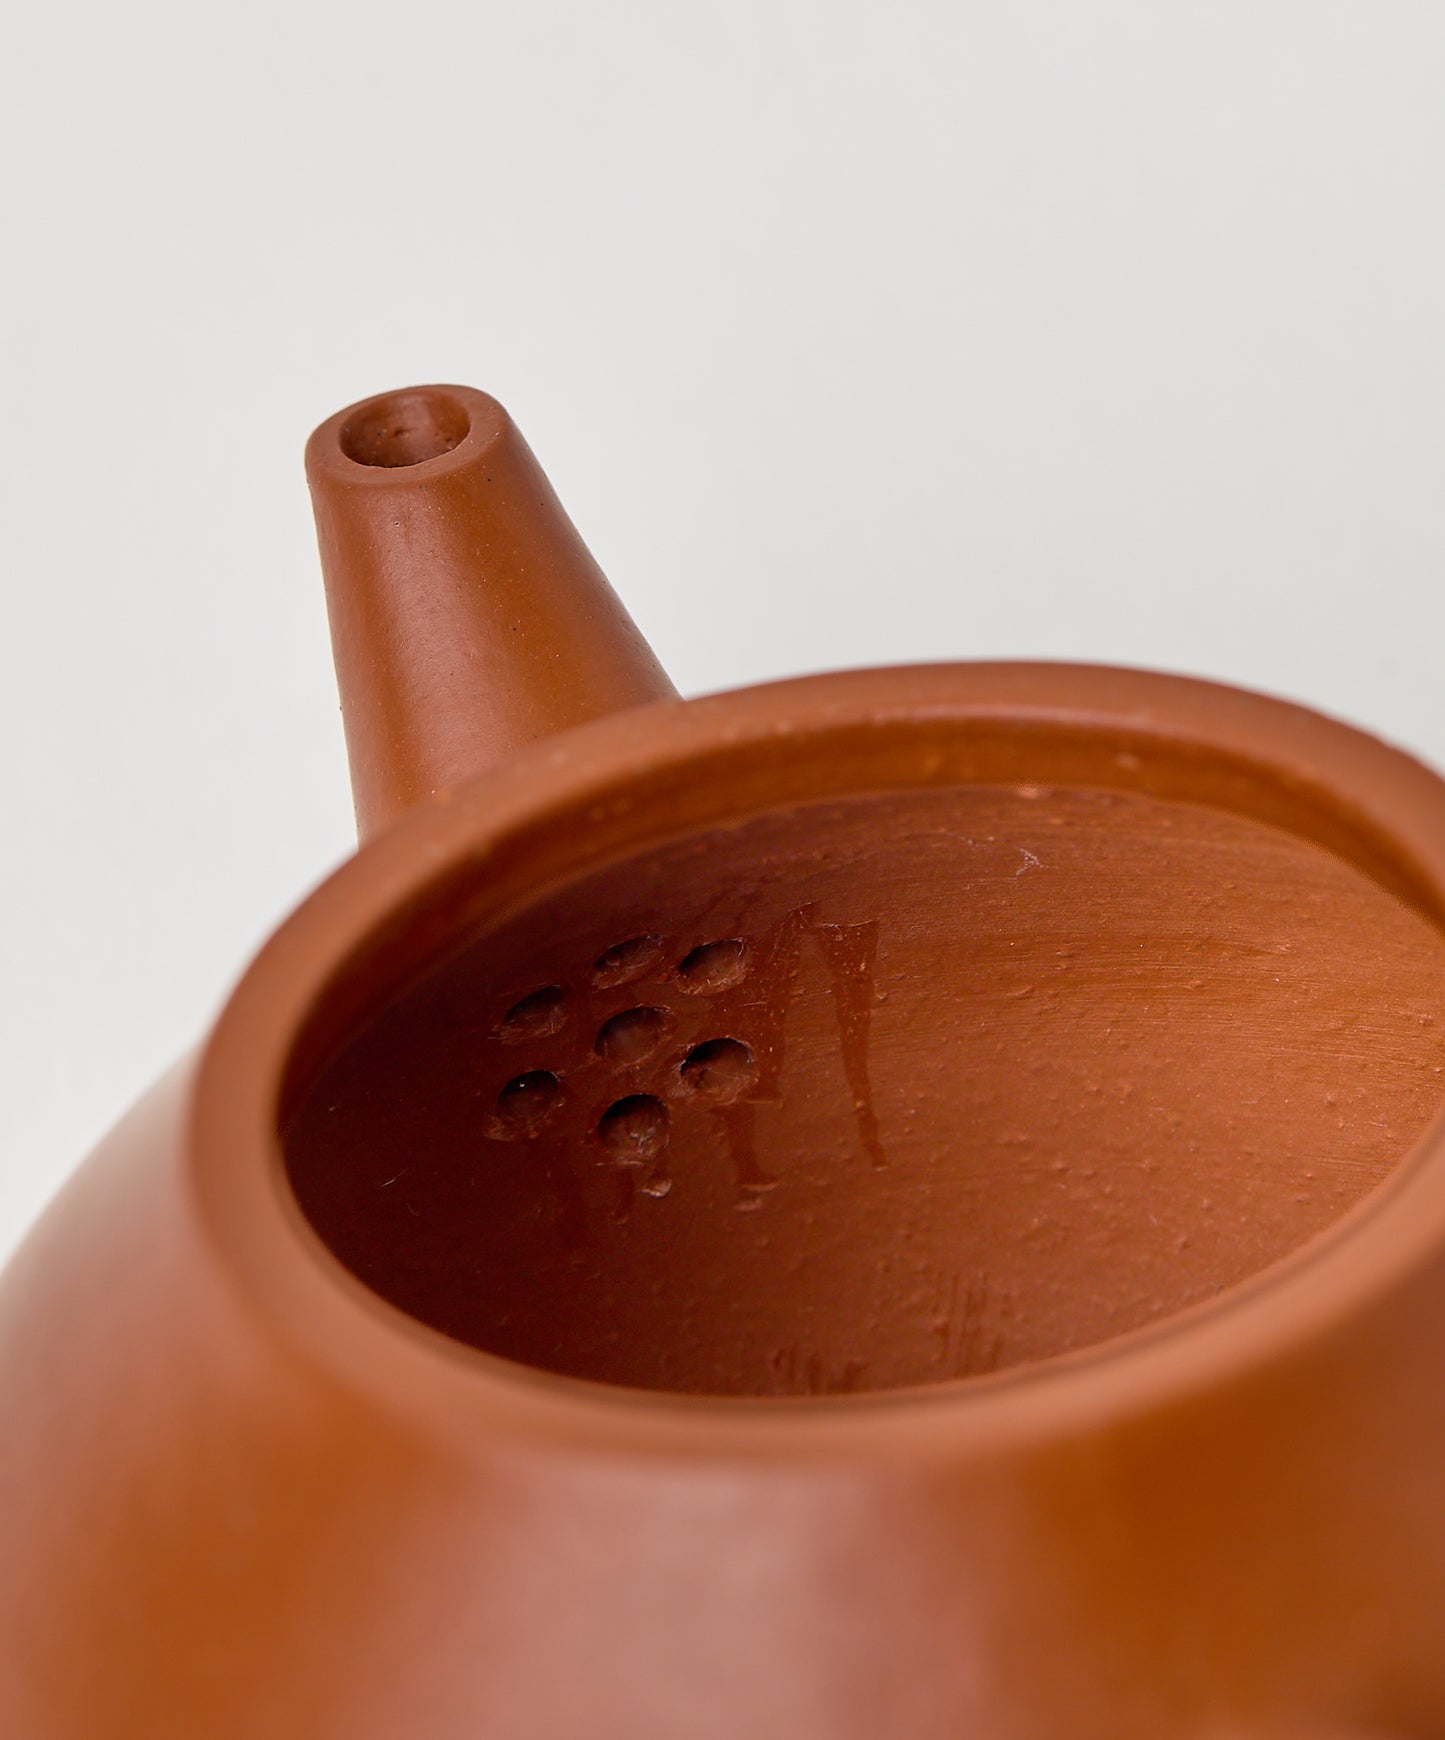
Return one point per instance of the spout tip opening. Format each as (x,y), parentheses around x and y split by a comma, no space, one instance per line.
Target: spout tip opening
(404,428)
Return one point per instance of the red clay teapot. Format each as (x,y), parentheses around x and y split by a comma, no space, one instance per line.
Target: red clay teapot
(908,1203)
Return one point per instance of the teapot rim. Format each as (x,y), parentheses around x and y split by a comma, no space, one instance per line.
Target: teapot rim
(278,1266)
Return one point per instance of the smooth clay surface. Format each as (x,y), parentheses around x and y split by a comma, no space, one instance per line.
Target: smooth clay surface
(885,1091)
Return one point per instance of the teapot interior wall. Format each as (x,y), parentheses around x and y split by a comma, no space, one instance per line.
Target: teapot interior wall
(880,1092)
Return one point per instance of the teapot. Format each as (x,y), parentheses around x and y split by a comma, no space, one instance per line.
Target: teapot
(906,1202)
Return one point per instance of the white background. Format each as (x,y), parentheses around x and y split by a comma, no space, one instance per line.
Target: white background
(848,331)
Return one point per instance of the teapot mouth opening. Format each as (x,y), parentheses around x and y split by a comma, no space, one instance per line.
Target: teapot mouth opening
(893,1035)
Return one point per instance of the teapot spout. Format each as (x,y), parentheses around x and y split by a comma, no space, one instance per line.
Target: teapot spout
(467,616)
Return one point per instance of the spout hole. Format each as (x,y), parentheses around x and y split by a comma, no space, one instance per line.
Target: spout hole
(404,429)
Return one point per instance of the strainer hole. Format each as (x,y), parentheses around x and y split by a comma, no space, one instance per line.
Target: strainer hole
(634,1130)
(526,1102)
(534,1016)
(720,1070)
(713,966)
(632,1035)
(626,961)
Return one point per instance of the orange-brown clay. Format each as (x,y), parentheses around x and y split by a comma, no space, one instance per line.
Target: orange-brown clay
(418,496)
(903,1203)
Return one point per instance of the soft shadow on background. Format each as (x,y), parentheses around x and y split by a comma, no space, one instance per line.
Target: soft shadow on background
(847,333)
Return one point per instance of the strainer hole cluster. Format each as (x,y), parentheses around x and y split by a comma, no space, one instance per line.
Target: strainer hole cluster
(639,1043)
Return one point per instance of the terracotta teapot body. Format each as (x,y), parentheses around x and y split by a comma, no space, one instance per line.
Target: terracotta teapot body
(908,1202)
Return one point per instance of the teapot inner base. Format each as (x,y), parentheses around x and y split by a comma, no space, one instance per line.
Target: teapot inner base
(893,1089)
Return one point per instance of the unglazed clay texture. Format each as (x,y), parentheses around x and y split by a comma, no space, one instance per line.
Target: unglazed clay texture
(904,1203)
